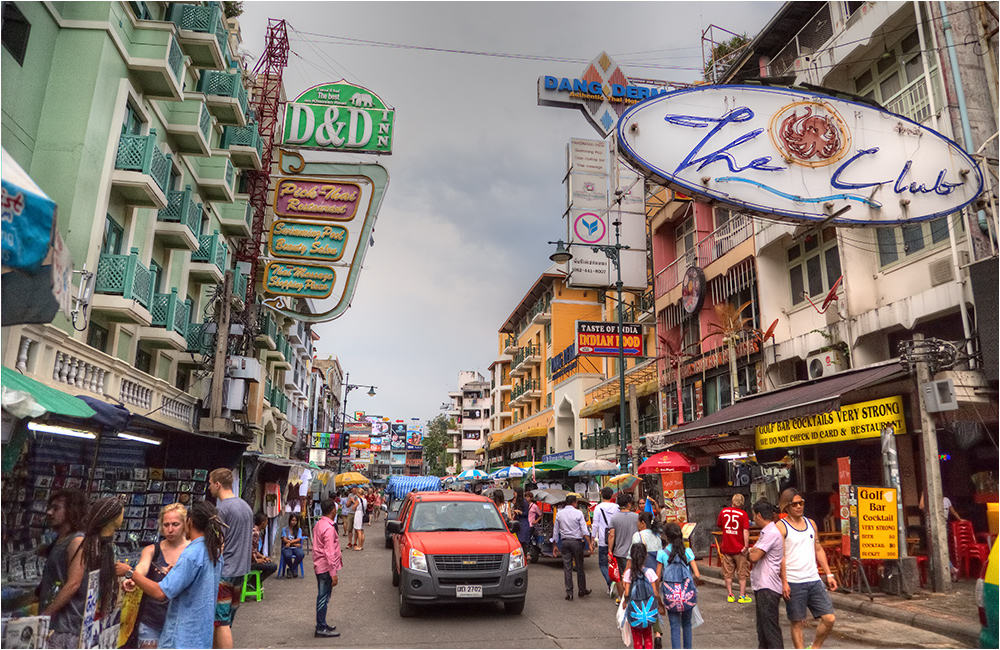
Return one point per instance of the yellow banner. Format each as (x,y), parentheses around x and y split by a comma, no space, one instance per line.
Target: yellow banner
(851,422)
(877,524)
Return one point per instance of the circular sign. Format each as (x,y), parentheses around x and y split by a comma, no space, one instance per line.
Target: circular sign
(589,228)
(693,290)
(811,134)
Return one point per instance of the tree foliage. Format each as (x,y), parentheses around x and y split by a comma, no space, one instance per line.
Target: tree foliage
(232,8)
(436,446)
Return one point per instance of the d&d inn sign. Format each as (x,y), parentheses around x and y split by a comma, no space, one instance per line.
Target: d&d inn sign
(339,117)
(799,155)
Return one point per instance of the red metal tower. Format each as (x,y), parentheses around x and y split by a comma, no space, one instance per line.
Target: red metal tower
(267,107)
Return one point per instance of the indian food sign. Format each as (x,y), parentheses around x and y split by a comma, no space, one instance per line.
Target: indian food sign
(602,339)
(798,154)
(339,117)
(851,422)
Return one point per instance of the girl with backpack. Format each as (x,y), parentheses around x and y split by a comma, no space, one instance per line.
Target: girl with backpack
(677,571)
(641,597)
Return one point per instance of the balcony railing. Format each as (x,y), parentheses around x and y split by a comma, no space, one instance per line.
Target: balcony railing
(523,353)
(267,389)
(124,276)
(712,247)
(181,208)
(266,324)
(245,136)
(140,153)
(540,307)
(810,38)
(195,337)
(240,285)
(599,439)
(170,312)
(224,84)
(175,58)
(211,249)
(205,122)
(632,313)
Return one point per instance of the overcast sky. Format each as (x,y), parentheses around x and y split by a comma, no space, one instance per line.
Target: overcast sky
(475,186)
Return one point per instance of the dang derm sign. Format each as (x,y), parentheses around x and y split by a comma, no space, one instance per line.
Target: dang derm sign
(799,155)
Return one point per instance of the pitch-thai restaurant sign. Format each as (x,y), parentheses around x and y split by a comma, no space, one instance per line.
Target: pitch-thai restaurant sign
(799,155)
(339,117)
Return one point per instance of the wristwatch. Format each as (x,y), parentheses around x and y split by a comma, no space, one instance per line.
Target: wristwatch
(128,574)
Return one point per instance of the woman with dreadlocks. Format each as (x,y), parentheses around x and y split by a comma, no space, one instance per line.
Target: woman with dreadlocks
(104,518)
(192,585)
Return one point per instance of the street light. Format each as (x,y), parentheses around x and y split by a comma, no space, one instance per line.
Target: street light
(348,387)
(563,255)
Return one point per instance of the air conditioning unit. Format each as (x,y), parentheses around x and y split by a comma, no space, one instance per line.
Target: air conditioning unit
(243,368)
(825,364)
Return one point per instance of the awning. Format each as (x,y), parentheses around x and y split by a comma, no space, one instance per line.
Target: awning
(596,409)
(24,397)
(820,396)
(502,440)
(534,432)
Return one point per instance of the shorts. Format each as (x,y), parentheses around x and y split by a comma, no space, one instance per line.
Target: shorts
(148,637)
(228,600)
(737,564)
(808,594)
(348,523)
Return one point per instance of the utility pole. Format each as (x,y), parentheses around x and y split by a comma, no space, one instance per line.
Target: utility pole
(633,408)
(216,423)
(933,495)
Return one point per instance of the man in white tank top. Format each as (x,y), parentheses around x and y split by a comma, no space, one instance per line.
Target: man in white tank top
(802,586)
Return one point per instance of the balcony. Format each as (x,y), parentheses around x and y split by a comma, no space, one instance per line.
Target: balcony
(198,341)
(216,178)
(141,171)
(246,147)
(208,263)
(297,334)
(169,323)
(267,390)
(267,329)
(190,125)
(709,249)
(155,61)
(541,312)
(202,33)
(525,391)
(282,354)
(240,280)
(525,357)
(177,225)
(599,439)
(235,218)
(641,310)
(226,96)
(510,344)
(123,289)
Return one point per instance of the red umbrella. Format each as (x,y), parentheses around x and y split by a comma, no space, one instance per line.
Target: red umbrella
(668,461)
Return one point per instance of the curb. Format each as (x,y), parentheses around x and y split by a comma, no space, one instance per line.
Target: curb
(967,633)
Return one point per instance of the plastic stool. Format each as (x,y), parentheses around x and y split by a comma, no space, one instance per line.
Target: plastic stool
(257,592)
(281,567)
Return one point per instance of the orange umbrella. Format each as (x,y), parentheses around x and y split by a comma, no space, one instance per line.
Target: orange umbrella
(668,461)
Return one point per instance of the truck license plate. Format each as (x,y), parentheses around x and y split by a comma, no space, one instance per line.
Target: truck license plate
(469,591)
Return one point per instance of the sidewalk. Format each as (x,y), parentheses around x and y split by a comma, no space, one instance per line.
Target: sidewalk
(954,614)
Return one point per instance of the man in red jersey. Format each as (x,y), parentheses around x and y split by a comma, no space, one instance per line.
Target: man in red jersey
(735,525)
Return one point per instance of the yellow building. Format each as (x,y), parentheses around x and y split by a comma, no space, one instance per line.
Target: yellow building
(542,389)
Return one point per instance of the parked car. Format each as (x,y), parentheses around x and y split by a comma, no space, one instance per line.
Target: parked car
(393,513)
(455,547)
(986,598)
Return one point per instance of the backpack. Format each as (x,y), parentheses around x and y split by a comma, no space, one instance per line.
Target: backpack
(641,611)
(679,592)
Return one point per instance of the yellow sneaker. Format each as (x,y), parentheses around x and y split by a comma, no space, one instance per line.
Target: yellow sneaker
(731,598)
(745,599)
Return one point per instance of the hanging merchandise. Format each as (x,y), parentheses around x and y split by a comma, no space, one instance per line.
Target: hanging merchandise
(272,499)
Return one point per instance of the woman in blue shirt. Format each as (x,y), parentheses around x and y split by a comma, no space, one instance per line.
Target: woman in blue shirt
(192,585)
(291,546)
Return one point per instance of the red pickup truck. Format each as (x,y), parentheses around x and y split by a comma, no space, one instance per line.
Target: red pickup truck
(455,547)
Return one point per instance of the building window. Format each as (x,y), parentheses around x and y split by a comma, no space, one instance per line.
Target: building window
(140,10)
(143,361)
(900,242)
(813,265)
(111,244)
(97,337)
(132,121)
(15,32)
(471,435)
(895,80)
(692,334)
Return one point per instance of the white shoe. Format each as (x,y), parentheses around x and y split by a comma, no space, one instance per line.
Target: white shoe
(612,590)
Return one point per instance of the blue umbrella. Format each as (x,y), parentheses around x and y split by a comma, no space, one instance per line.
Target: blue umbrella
(508,472)
(471,475)
(27,218)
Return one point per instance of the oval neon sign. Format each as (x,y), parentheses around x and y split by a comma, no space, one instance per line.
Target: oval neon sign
(798,155)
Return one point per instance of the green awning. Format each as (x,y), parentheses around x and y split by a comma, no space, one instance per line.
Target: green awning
(558,464)
(25,397)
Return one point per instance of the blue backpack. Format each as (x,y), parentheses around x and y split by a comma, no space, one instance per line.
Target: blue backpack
(679,592)
(642,611)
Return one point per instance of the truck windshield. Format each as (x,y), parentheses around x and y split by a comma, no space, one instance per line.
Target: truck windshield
(431,516)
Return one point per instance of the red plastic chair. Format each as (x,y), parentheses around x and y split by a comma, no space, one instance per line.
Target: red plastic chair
(965,548)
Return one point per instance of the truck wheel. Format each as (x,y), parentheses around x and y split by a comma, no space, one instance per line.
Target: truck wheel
(395,571)
(406,608)
(533,555)
(513,607)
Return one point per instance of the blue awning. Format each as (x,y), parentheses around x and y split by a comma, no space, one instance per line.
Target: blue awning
(400,486)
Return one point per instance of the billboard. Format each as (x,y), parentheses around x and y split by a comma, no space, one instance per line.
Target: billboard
(339,117)
(414,437)
(397,437)
(599,339)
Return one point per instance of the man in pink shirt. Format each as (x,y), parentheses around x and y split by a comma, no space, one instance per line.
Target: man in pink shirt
(327,560)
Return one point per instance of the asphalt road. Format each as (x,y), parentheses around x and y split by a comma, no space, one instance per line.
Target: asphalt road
(364,607)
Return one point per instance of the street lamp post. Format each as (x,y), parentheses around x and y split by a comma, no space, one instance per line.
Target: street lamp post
(348,387)
(561,256)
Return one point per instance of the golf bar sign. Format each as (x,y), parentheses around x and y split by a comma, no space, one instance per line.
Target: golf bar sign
(799,155)
(339,117)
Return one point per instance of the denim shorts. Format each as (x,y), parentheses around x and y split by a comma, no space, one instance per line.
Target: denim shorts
(811,595)
(148,637)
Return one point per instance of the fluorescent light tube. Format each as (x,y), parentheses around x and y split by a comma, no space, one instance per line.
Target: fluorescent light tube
(137,438)
(62,431)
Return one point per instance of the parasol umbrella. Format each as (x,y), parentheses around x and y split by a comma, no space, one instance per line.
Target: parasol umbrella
(471,475)
(507,472)
(594,467)
(668,461)
(350,478)
(622,481)
(28,214)
(552,497)
(558,464)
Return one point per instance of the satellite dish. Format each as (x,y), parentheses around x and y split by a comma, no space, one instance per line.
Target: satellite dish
(832,295)
(769,334)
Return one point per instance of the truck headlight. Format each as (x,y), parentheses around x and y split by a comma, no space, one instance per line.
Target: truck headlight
(418,561)
(516,560)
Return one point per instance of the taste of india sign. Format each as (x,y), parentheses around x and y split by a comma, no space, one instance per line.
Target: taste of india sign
(851,422)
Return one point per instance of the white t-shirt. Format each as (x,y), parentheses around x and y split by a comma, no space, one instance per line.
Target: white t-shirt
(650,575)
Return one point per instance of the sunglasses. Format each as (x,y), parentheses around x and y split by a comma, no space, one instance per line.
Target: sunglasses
(798,503)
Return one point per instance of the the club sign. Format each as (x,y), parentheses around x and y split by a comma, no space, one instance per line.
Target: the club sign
(799,155)
(339,117)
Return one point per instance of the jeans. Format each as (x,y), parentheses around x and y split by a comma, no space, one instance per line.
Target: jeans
(267,569)
(680,622)
(768,628)
(324,586)
(292,555)
(572,551)
(602,563)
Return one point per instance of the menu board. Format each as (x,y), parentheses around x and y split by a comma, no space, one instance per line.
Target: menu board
(674,502)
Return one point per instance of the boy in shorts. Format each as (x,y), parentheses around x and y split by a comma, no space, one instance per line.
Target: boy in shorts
(734,546)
